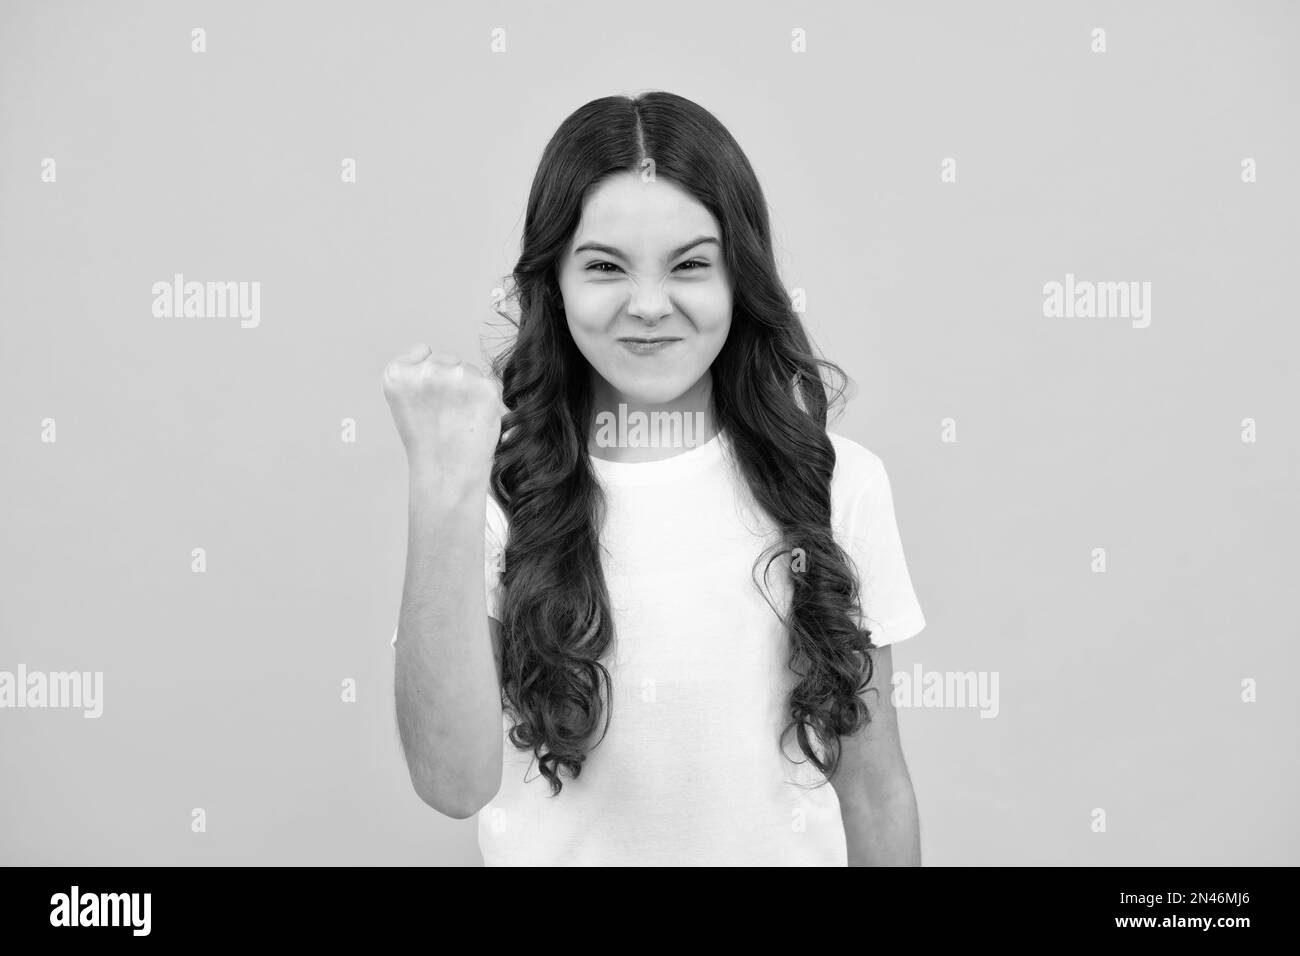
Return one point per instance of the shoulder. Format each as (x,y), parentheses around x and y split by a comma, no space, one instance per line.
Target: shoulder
(857,467)
(497,521)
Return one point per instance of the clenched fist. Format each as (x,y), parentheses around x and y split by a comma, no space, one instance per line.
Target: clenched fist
(447,413)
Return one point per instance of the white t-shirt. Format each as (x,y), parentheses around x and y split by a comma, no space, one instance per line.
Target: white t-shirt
(690,772)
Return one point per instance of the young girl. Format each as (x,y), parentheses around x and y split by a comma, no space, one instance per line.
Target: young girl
(671,645)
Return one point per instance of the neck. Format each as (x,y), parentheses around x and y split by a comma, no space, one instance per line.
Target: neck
(627,430)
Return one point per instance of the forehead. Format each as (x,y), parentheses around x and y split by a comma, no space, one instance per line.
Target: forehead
(633,215)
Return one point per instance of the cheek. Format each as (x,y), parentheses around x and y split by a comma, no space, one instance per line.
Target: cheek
(591,308)
(708,306)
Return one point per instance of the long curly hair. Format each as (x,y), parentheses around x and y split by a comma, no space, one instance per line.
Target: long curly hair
(768,395)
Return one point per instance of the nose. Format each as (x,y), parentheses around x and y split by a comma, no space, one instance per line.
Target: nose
(649,302)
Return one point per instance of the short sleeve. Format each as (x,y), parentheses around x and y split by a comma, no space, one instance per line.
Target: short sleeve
(494,542)
(890,609)
(494,555)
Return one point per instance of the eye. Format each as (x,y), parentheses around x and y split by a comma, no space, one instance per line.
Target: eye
(594,267)
(697,263)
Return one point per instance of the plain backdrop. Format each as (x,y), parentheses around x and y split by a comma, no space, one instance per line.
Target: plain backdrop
(1120,691)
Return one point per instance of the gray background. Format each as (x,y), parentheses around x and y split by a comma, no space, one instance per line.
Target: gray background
(1118,690)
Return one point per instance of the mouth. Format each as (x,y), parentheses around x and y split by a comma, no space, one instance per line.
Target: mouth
(647,346)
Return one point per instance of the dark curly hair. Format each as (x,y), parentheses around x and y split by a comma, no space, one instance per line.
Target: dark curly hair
(768,395)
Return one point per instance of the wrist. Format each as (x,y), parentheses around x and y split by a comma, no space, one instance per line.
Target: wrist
(455,486)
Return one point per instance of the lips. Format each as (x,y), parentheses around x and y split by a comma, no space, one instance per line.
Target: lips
(647,346)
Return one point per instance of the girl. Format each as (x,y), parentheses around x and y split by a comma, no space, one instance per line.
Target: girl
(671,644)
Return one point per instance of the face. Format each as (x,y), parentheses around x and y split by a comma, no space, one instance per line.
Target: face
(646,291)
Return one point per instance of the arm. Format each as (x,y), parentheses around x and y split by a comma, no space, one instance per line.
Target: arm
(447,683)
(877,802)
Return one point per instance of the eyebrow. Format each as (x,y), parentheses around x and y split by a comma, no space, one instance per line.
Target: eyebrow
(610,250)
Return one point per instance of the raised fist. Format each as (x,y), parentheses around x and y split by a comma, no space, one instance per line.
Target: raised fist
(448,413)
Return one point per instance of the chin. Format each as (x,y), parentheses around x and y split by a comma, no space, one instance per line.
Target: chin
(651,393)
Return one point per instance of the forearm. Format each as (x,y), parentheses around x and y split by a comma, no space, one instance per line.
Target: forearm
(883,829)
(446,686)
